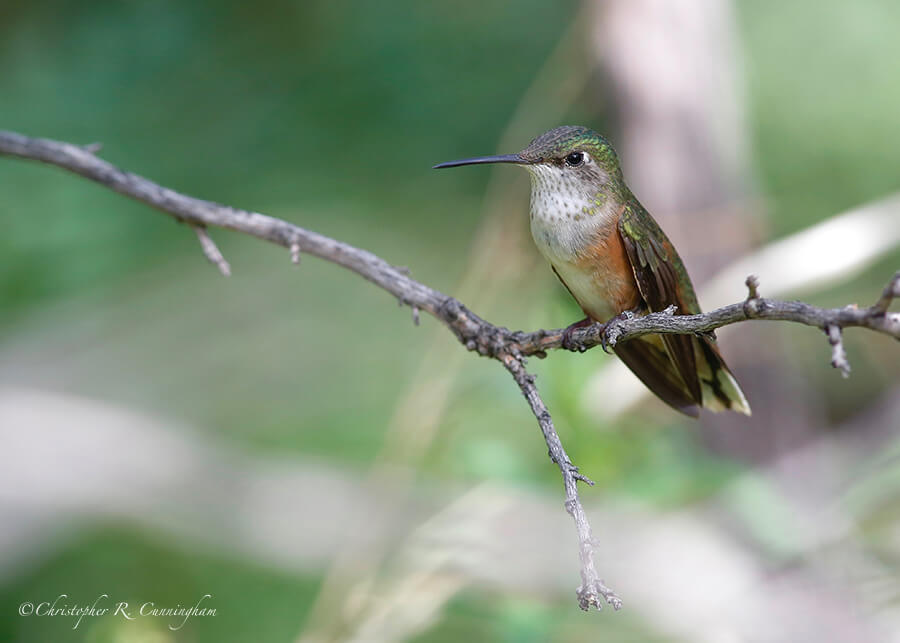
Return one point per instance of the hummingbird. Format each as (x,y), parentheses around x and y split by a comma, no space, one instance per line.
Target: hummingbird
(614,259)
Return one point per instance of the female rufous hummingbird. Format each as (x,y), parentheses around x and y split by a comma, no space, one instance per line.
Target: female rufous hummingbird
(613,258)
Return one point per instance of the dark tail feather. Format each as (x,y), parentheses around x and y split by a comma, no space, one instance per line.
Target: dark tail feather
(651,359)
(648,359)
(721,391)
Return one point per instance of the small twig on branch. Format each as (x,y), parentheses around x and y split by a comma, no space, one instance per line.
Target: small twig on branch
(752,283)
(211,250)
(890,293)
(474,333)
(838,354)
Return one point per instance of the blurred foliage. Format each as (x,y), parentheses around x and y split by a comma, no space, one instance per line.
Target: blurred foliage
(330,114)
(303,103)
(251,604)
(823,102)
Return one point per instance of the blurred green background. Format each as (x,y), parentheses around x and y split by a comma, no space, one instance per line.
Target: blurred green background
(330,114)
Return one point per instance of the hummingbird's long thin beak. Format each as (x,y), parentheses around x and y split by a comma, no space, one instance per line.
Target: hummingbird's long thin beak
(500,158)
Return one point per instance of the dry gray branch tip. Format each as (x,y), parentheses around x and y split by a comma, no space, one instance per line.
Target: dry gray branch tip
(211,251)
(838,354)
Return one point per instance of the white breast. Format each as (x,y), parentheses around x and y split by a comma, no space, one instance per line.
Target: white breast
(566,218)
(590,290)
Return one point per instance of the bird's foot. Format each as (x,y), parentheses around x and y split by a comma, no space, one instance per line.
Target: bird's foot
(569,342)
(609,335)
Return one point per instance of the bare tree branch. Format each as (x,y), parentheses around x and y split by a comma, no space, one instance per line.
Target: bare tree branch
(592,591)
(476,334)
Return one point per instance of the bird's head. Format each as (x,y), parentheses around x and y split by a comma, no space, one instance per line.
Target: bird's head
(568,157)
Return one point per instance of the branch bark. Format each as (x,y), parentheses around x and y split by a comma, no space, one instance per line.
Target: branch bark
(509,347)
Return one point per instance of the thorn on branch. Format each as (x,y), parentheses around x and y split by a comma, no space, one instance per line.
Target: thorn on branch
(211,251)
(838,354)
(295,253)
(92,148)
(415,314)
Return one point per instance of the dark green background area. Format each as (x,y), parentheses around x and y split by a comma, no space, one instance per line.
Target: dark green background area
(307,105)
(330,114)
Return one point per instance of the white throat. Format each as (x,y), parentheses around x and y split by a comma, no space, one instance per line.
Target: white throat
(566,213)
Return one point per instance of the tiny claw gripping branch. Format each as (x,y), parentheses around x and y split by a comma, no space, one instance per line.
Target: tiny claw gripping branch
(612,330)
(571,344)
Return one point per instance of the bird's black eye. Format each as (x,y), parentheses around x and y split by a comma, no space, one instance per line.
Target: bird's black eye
(575,159)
